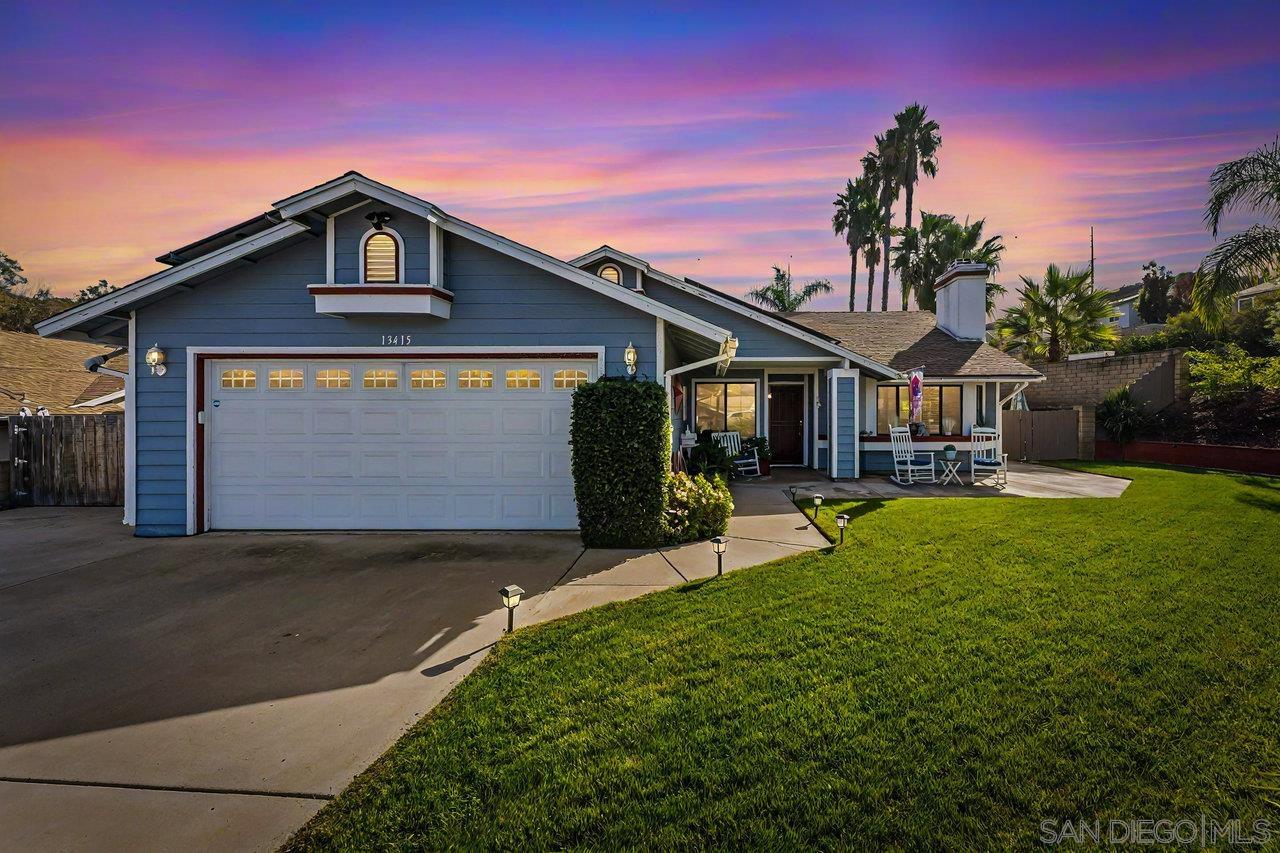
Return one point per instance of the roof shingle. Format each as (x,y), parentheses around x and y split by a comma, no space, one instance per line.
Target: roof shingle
(905,340)
(36,371)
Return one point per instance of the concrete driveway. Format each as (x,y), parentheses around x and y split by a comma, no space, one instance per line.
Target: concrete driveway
(218,689)
(214,692)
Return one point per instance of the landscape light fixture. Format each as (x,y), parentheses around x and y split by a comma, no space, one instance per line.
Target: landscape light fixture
(817,502)
(511,600)
(630,357)
(792,490)
(155,360)
(720,545)
(841,521)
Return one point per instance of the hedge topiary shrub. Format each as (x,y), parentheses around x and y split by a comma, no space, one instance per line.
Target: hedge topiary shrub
(621,443)
(697,507)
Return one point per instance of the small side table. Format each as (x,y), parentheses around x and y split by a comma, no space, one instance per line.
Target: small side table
(951,471)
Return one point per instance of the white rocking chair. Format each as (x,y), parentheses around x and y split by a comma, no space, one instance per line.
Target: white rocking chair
(986,457)
(908,465)
(745,462)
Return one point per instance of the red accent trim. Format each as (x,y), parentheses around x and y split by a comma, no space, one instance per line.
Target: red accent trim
(401,356)
(378,290)
(1248,460)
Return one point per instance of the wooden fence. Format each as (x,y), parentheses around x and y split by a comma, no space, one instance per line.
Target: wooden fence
(1033,436)
(67,460)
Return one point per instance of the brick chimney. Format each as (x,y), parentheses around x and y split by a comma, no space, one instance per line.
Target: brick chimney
(961,294)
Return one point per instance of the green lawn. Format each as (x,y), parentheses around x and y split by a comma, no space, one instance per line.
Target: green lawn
(955,673)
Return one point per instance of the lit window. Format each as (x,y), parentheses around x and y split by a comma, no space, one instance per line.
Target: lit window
(569,378)
(381,258)
(475,378)
(381,378)
(726,407)
(426,379)
(939,408)
(333,378)
(289,378)
(524,379)
(239,378)
(610,273)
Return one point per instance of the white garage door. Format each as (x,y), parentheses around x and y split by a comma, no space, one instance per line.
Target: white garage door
(391,445)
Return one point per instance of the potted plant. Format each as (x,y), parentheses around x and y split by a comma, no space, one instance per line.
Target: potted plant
(949,452)
(761,445)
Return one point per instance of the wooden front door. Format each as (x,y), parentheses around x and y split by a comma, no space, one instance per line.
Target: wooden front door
(786,424)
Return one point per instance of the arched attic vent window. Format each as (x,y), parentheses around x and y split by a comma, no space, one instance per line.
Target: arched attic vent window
(611,273)
(381,258)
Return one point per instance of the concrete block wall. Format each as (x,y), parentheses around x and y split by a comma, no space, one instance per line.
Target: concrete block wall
(1086,420)
(1086,382)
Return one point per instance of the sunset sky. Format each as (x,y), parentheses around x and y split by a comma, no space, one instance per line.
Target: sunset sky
(710,142)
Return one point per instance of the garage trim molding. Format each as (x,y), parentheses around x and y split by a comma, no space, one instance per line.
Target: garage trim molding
(197,506)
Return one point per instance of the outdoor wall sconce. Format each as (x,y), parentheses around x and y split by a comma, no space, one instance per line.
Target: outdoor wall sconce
(720,545)
(817,502)
(511,600)
(155,360)
(630,357)
(841,521)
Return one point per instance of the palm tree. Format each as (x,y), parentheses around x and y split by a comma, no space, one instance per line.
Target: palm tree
(1253,255)
(918,140)
(854,219)
(924,253)
(888,155)
(780,294)
(1056,317)
(871,175)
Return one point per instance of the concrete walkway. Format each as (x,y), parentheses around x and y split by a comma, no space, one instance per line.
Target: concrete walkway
(1025,481)
(213,692)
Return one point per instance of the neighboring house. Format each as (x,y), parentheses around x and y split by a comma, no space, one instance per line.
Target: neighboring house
(38,373)
(356,358)
(1125,301)
(1251,296)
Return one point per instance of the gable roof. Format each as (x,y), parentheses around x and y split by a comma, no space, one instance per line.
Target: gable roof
(297,215)
(1265,287)
(36,371)
(908,339)
(781,322)
(1126,293)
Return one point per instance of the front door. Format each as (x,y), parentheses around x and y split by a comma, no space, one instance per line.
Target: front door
(786,424)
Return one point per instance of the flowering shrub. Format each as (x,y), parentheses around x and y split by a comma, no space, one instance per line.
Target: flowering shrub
(697,508)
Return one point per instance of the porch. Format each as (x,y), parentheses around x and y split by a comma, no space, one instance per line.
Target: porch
(1025,481)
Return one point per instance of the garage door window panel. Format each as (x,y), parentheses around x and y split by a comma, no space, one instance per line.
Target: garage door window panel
(333,378)
(524,378)
(285,379)
(473,379)
(381,378)
(427,379)
(238,378)
(567,380)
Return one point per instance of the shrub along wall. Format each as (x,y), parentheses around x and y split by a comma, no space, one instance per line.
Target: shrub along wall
(621,444)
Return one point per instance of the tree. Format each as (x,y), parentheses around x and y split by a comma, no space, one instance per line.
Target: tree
(95,290)
(1253,255)
(872,174)
(889,155)
(924,253)
(10,273)
(918,139)
(1056,317)
(1153,298)
(780,294)
(855,219)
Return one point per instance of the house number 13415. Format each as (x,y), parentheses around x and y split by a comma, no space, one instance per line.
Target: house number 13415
(397,340)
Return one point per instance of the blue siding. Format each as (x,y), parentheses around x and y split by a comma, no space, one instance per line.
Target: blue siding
(755,340)
(846,400)
(499,301)
(349,228)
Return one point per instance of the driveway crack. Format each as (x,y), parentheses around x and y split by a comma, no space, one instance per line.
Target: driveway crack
(181,789)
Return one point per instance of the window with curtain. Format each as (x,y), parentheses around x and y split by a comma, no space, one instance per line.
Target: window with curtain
(940,408)
(726,407)
(381,259)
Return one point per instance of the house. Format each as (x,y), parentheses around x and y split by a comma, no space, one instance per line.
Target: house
(1250,296)
(1125,301)
(39,374)
(357,358)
